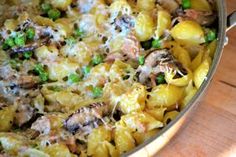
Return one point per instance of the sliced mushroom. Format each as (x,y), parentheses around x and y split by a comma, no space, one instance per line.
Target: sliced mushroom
(29,47)
(20,82)
(25,24)
(158,61)
(85,116)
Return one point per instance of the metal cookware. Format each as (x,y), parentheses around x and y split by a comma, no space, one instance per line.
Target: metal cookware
(153,145)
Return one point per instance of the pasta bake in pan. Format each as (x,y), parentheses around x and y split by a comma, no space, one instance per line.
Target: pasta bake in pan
(98,77)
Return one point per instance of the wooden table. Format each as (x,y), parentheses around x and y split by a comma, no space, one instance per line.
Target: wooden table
(212,130)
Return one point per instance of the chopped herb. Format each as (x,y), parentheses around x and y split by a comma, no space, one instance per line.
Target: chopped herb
(54,14)
(141,60)
(186,4)
(156,43)
(30,33)
(97,59)
(160,79)
(97,92)
(74,78)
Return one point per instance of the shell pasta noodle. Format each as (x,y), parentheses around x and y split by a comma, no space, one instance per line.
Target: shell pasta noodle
(98,77)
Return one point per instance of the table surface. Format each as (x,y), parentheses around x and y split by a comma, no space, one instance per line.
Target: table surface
(212,129)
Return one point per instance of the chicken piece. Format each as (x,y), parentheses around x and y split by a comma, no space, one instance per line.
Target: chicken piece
(131,47)
(158,61)
(71,144)
(86,115)
(111,57)
(24,113)
(26,82)
(202,17)
(42,125)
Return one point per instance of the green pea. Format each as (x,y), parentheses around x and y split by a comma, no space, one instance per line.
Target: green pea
(20,40)
(28,54)
(9,42)
(5,46)
(78,33)
(186,4)
(211,35)
(30,33)
(74,78)
(86,70)
(97,59)
(97,92)
(156,43)
(43,76)
(141,60)
(54,14)
(39,68)
(46,7)
(160,79)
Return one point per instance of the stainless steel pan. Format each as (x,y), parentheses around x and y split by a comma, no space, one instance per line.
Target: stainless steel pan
(153,145)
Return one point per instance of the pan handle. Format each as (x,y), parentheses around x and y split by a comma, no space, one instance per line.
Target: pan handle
(231,21)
